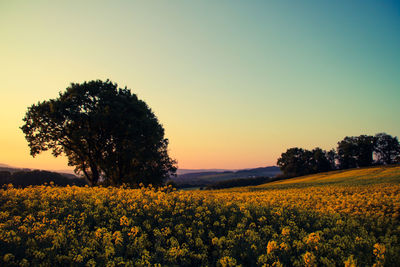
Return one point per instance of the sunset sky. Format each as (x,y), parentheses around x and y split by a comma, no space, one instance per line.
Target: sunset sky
(234,83)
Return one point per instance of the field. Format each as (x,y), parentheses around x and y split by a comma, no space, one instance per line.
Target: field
(342,218)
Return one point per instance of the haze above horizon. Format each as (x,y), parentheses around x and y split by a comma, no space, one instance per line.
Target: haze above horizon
(233,83)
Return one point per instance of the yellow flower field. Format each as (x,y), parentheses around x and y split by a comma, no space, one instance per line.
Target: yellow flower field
(323,221)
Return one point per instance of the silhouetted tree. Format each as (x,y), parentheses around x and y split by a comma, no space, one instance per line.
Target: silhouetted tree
(366,146)
(298,161)
(356,151)
(331,155)
(387,148)
(36,177)
(319,161)
(107,133)
(295,162)
(347,153)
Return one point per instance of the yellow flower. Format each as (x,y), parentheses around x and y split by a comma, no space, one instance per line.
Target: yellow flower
(272,246)
(309,259)
(227,261)
(286,231)
(379,251)
(124,221)
(134,231)
(118,238)
(350,262)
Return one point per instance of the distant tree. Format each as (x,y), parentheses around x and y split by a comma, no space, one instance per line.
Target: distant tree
(347,153)
(356,151)
(366,146)
(331,155)
(298,161)
(295,162)
(107,133)
(36,177)
(319,161)
(387,148)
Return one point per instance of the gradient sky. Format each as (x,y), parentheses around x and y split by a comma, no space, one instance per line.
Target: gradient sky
(235,83)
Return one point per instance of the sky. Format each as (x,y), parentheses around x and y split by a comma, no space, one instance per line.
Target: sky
(234,83)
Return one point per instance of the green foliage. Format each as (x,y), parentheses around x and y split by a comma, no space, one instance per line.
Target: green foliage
(107,133)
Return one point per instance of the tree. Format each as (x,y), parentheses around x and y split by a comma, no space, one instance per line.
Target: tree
(331,155)
(319,161)
(356,151)
(295,162)
(387,148)
(347,151)
(106,132)
(36,177)
(298,161)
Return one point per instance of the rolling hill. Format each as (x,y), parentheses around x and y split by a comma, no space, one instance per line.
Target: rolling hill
(210,177)
(11,169)
(352,177)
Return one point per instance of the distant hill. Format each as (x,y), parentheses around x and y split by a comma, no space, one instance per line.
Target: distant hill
(7,168)
(210,177)
(12,169)
(186,171)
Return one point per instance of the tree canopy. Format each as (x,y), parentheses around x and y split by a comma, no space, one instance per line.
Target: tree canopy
(298,161)
(387,148)
(106,132)
(356,151)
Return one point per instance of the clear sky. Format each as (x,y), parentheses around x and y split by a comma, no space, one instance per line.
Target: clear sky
(235,83)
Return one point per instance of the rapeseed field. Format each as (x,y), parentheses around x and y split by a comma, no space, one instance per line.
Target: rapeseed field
(342,218)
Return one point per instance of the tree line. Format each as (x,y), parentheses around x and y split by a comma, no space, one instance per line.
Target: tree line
(351,152)
(37,177)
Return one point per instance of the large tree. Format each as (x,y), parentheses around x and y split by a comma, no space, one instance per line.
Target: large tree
(106,132)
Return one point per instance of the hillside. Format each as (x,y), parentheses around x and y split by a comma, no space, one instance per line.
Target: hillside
(362,176)
(186,171)
(210,177)
(7,168)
